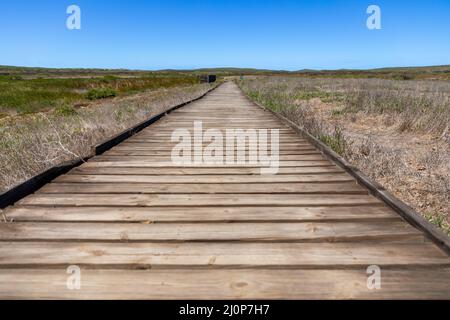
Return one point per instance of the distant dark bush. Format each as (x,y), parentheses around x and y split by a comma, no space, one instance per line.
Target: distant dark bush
(13,78)
(403,77)
(95,94)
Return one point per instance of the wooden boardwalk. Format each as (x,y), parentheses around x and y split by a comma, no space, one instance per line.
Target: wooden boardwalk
(140,227)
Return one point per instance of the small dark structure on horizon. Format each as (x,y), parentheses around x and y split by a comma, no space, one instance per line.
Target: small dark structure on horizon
(208,78)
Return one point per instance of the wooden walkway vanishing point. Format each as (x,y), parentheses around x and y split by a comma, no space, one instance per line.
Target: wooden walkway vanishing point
(141,228)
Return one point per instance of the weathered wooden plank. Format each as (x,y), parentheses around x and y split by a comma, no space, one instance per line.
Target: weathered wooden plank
(168,159)
(269,232)
(189,115)
(222,126)
(201,214)
(211,188)
(299,155)
(145,164)
(158,200)
(189,125)
(224,284)
(147,142)
(167,135)
(198,171)
(282,134)
(173,118)
(165,131)
(221,254)
(168,152)
(170,145)
(305,178)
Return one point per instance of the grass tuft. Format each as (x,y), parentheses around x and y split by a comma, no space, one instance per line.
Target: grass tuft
(65,111)
(102,93)
(335,141)
(439,221)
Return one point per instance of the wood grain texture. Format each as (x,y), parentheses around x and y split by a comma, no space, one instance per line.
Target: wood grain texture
(210,188)
(143,227)
(89,170)
(207,179)
(165,200)
(221,255)
(201,214)
(224,284)
(270,232)
(132,163)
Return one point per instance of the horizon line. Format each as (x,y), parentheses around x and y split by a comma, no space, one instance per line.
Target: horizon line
(229,68)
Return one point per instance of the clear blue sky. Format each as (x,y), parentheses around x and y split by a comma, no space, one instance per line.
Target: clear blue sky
(290,35)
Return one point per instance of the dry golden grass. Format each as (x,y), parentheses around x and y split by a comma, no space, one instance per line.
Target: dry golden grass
(397,132)
(32,143)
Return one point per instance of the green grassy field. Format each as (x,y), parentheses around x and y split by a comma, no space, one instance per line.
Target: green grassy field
(22,93)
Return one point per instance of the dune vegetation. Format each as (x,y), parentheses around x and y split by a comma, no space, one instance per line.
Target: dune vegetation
(397,132)
(47,121)
(22,95)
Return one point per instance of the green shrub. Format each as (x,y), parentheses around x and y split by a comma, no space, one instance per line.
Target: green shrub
(95,94)
(65,110)
(438,221)
(337,112)
(336,141)
(119,116)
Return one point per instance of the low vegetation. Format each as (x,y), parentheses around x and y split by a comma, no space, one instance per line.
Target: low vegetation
(24,94)
(95,94)
(395,131)
(34,142)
